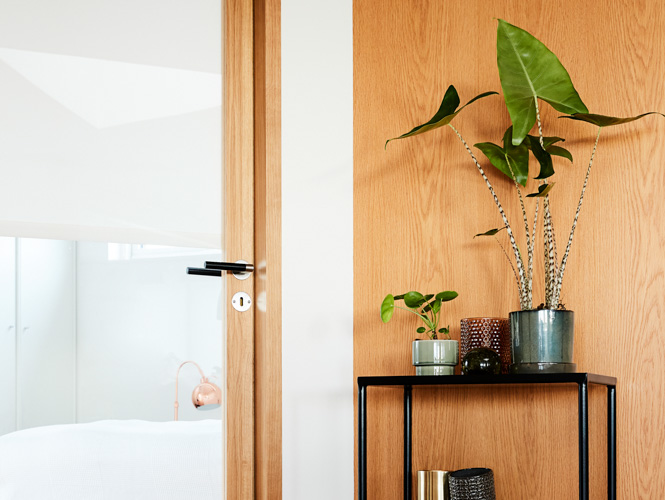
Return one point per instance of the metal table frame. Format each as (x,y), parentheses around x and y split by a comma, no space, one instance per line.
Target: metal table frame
(581,379)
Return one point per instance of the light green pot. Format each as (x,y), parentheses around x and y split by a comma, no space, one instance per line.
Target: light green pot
(435,357)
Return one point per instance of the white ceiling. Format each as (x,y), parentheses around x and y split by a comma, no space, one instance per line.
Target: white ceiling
(111,118)
(109,93)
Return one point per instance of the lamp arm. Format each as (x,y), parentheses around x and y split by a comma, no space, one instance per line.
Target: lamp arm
(177,375)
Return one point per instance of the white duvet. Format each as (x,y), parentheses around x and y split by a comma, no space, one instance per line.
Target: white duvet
(113,460)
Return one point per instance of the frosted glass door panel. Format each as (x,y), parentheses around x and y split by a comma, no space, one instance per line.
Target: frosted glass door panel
(7,337)
(138,320)
(46,333)
(111,124)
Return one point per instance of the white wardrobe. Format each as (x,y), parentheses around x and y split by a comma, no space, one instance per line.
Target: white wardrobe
(37,333)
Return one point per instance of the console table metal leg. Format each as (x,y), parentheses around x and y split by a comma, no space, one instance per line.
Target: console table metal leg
(583,419)
(407,442)
(362,443)
(611,442)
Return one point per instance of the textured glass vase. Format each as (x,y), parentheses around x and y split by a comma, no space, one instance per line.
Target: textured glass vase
(486,332)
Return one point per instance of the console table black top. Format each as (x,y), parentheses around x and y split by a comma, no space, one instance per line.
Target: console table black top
(523,378)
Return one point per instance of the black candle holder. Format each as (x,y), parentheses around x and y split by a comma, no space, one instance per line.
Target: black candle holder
(472,484)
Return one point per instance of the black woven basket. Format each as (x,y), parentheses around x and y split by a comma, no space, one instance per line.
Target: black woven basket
(472,484)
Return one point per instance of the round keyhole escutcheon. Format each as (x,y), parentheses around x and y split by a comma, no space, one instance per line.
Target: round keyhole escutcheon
(241,301)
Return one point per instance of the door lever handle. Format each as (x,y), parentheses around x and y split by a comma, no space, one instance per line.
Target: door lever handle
(234,267)
(240,269)
(203,272)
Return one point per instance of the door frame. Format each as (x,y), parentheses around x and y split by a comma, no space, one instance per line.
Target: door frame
(252,166)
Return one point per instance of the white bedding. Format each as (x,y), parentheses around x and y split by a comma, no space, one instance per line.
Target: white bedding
(113,460)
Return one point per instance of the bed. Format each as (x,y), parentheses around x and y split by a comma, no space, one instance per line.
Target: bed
(113,460)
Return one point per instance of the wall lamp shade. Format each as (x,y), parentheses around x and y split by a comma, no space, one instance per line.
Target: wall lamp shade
(206,395)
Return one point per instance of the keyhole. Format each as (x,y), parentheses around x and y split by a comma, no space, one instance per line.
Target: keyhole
(241,301)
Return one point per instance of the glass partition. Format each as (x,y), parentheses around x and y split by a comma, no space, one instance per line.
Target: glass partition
(111,158)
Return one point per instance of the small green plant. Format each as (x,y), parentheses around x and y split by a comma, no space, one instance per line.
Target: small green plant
(426,307)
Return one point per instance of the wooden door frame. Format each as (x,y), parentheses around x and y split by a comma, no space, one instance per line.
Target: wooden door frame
(252,159)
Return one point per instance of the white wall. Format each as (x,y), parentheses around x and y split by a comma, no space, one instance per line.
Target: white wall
(317,236)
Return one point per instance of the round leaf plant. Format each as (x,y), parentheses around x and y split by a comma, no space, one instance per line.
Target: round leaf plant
(426,307)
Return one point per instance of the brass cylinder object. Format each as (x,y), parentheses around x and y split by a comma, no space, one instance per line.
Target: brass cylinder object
(433,485)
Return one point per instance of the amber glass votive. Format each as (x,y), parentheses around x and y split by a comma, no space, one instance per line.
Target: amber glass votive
(486,332)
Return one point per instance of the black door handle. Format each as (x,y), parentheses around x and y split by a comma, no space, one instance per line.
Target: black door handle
(216,268)
(234,267)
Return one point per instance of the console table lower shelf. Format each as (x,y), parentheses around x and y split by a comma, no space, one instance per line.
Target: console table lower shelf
(581,379)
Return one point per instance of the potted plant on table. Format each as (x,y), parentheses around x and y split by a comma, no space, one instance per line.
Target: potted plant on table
(433,356)
(542,337)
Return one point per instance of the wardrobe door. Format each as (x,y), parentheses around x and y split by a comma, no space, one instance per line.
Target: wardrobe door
(7,336)
(46,332)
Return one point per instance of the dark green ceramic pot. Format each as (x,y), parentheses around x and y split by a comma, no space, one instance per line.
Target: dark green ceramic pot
(542,341)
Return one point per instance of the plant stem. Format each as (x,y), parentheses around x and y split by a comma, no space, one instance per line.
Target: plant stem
(421,316)
(519,288)
(435,322)
(549,255)
(562,268)
(533,246)
(550,261)
(520,265)
(525,294)
(540,125)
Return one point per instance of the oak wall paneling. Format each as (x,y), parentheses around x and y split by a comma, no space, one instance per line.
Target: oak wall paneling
(418,204)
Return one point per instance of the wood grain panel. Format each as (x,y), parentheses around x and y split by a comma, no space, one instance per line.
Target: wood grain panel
(418,205)
(268,256)
(239,244)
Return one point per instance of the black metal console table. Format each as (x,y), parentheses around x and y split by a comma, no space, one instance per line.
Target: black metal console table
(581,379)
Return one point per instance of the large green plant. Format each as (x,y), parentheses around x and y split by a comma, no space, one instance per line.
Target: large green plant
(529,73)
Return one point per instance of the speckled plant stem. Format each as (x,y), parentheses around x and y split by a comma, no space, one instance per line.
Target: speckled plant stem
(528,292)
(550,261)
(562,268)
(513,243)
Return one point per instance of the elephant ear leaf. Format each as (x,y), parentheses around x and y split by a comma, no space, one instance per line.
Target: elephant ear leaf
(447,111)
(559,151)
(550,148)
(499,157)
(518,156)
(495,154)
(548,141)
(543,157)
(607,121)
(528,70)
(491,232)
(543,190)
